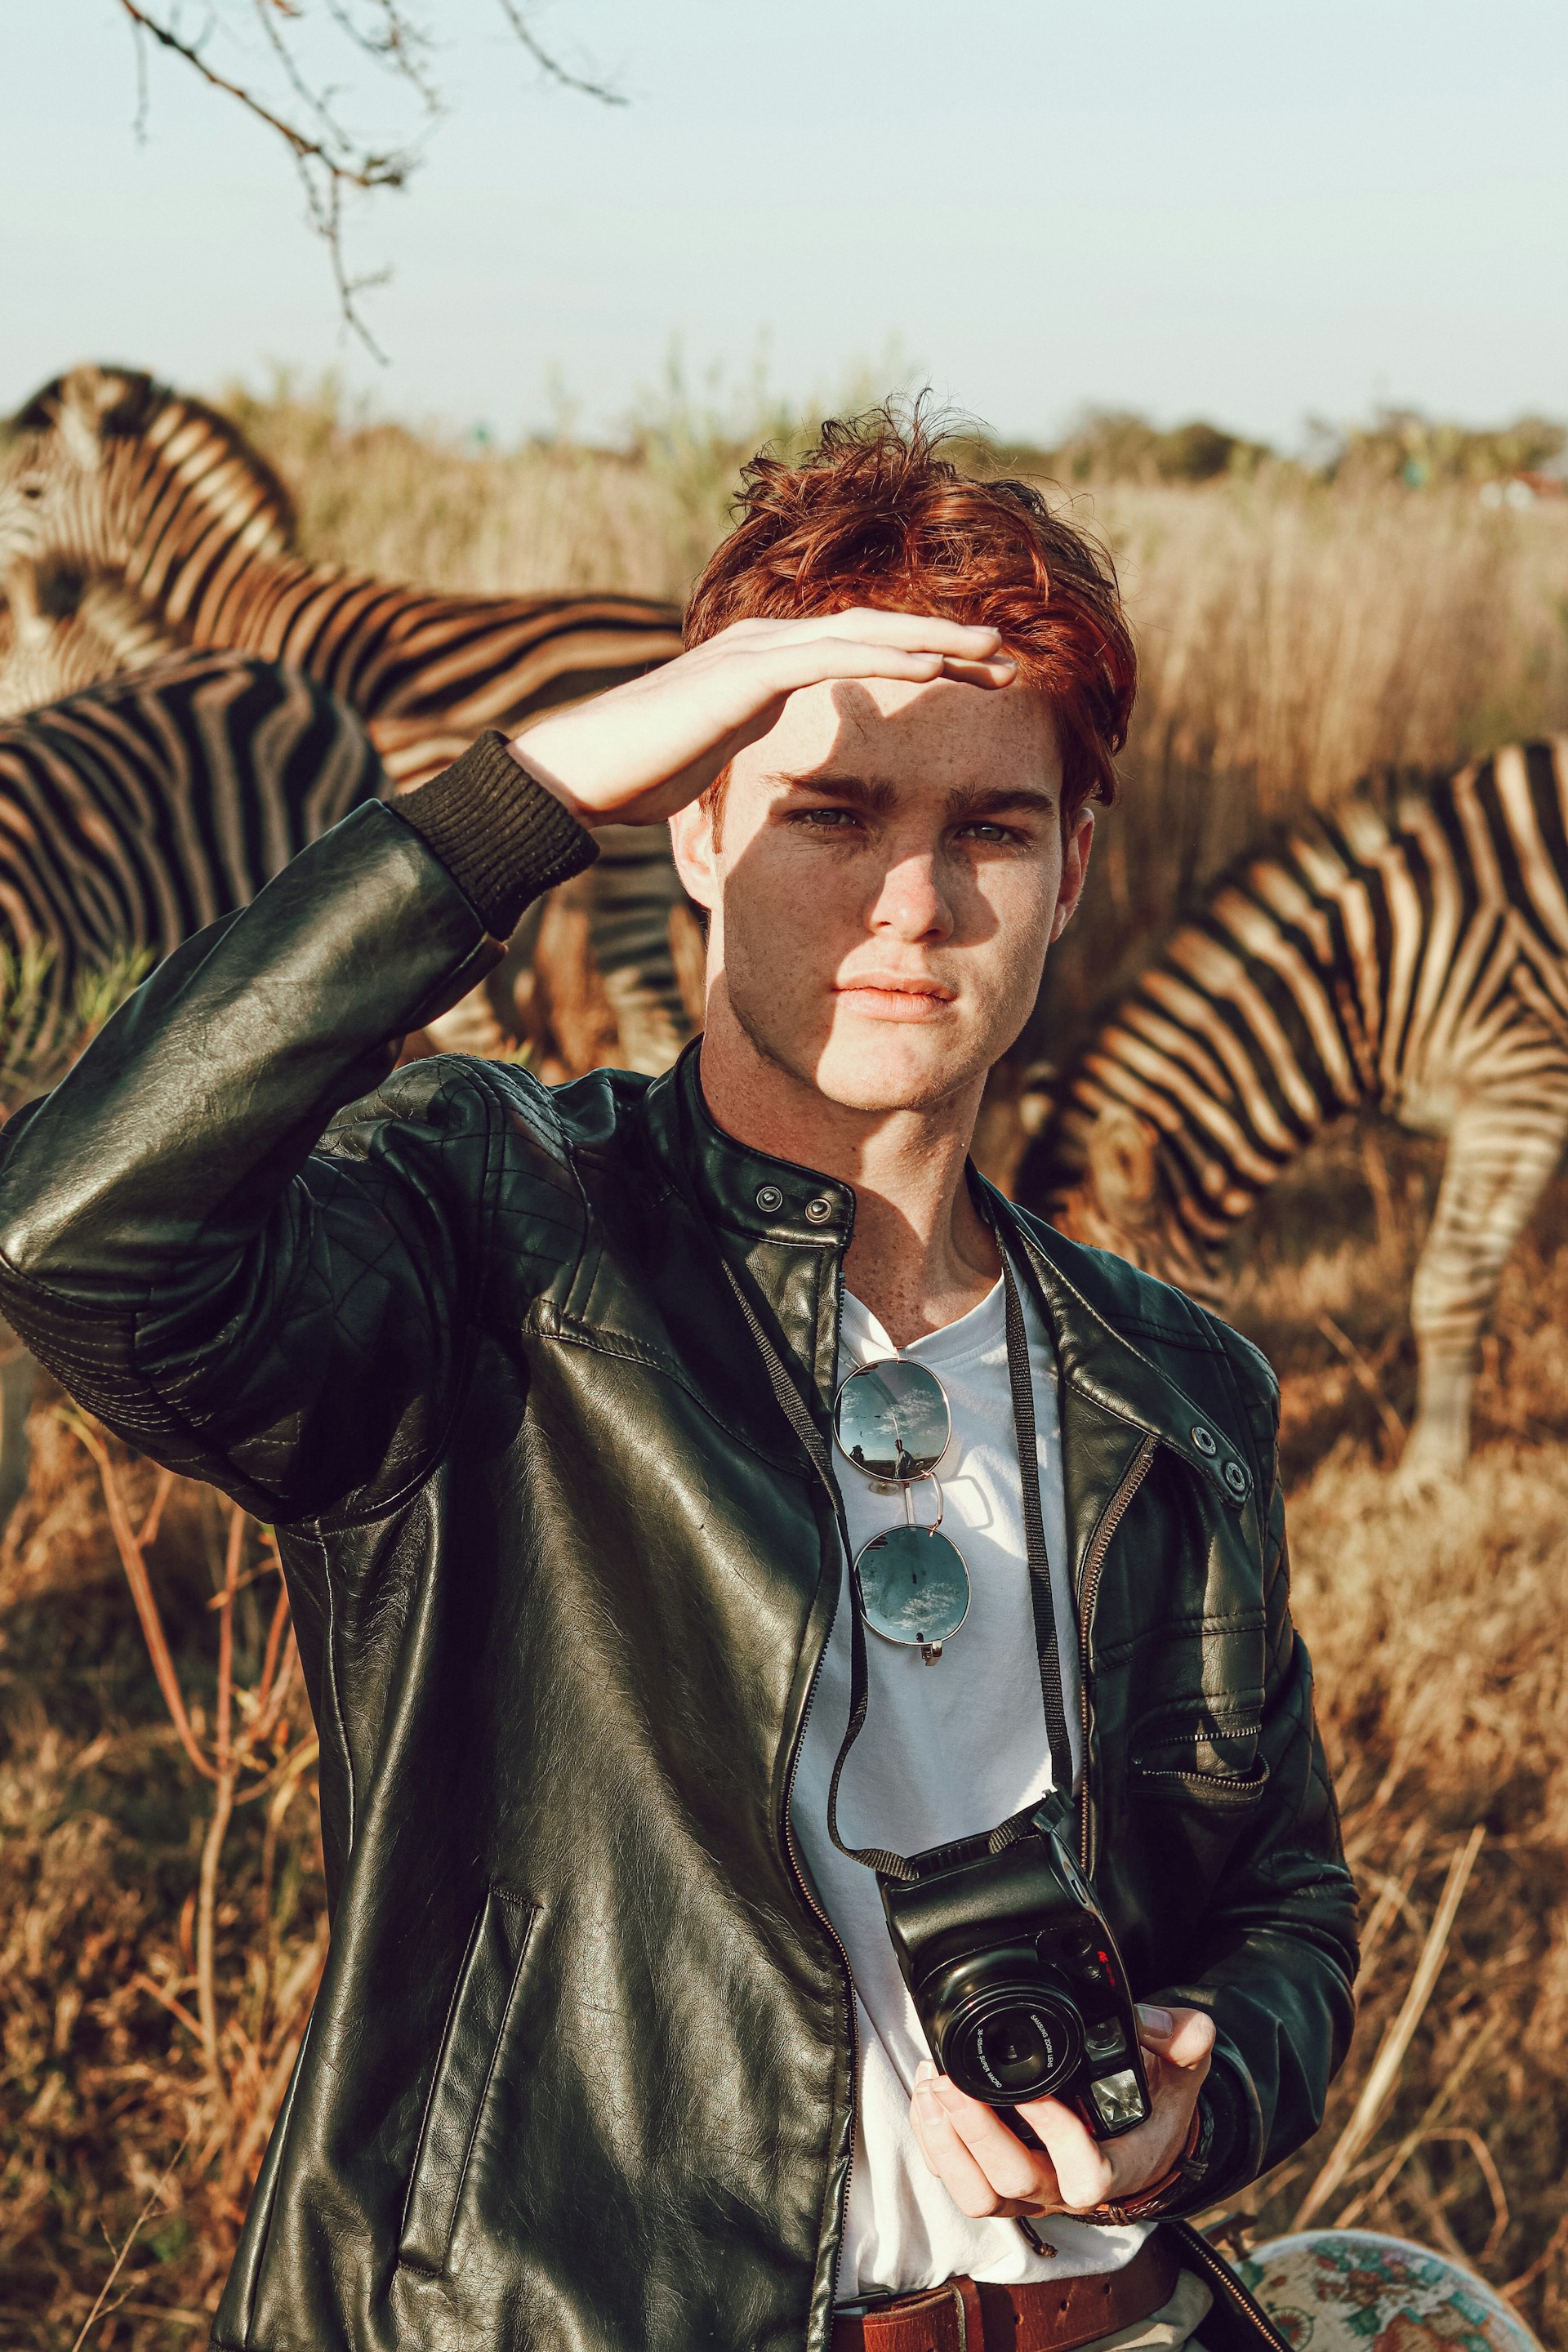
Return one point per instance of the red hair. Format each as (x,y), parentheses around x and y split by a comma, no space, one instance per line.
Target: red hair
(876,516)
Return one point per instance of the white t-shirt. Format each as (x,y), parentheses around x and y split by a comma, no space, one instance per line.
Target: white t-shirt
(947,1750)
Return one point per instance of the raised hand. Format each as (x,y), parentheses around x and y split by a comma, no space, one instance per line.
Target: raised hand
(644,749)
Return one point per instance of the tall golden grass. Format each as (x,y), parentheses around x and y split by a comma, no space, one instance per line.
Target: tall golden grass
(156,1961)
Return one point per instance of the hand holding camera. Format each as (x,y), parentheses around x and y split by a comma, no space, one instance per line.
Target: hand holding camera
(988,2171)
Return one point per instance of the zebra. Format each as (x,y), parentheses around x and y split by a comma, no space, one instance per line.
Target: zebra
(1407,954)
(139,810)
(61,630)
(130,816)
(114,474)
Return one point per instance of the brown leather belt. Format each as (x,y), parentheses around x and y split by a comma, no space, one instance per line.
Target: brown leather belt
(1044,2316)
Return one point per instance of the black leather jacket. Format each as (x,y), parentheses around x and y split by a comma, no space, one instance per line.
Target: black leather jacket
(580,2072)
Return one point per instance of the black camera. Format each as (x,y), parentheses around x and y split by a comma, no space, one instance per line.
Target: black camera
(1017,1979)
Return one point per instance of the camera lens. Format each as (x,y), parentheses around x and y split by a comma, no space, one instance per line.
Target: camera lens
(1012,2049)
(1016,2042)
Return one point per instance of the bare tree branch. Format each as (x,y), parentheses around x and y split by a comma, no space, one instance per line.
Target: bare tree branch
(551,66)
(332,160)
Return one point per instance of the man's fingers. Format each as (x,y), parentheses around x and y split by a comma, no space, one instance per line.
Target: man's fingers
(814,661)
(1085,2168)
(1183,2037)
(871,625)
(1020,2179)
(949,2160)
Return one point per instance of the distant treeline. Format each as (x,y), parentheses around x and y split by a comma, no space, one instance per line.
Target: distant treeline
(1400,444)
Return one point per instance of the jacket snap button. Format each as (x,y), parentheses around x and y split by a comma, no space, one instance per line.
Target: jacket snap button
(770,1198)
(1234,1478)
(1204,1441)
(817,1211)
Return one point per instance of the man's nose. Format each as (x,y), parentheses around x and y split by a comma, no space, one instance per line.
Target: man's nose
(912,903)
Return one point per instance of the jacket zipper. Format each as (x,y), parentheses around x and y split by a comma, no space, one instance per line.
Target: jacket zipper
(792,1852)
(1111,1519)
(1208,2260)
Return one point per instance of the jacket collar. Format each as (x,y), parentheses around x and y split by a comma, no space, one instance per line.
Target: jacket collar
(1101,1365)
(744,1192)
(751,1199)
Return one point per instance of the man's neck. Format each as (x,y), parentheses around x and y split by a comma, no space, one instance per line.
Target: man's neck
(922,1255)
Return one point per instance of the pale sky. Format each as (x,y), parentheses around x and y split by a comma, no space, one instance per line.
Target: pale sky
(1254,210)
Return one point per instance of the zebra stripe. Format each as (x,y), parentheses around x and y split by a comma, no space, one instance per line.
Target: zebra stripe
(116,472)
(1407,954)
(135,814)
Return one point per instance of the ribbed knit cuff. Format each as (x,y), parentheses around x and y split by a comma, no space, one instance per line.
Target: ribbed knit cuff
(501,836)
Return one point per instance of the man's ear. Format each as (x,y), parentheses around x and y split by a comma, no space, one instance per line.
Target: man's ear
(1077,843)
(692,839)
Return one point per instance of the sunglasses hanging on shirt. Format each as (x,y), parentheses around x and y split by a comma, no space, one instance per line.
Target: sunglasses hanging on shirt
(893,1422)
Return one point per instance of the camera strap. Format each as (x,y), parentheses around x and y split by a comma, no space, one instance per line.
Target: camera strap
(1026,1822)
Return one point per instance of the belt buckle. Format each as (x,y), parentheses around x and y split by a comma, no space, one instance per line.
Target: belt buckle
(868,2306)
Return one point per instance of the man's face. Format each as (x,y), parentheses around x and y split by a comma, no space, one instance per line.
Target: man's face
(889,873)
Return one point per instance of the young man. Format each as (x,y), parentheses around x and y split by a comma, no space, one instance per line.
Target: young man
(613,2049)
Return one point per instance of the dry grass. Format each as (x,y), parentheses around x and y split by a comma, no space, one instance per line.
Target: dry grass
(1435,1629)
(159,1948)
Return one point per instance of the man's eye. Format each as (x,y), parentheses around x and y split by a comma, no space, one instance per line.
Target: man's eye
(836,819)
(983,829)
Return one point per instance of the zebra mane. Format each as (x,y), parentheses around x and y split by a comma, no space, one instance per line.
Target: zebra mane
(131,402)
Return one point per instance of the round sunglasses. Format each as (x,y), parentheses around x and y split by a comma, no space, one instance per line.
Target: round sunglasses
(893,1421)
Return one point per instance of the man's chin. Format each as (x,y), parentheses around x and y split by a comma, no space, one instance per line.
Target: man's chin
(893,1071)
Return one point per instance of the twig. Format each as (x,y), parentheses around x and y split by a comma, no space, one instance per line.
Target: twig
(551,66)
(153,2195)
(1542,2261)
(175,2008)
(1386,2066)
(1362,1372)
(223,1809)
(328,157)
(135,1566)
(1475,2049)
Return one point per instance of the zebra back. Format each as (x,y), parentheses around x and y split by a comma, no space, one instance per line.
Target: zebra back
(1383,954)
(136,813)
(115,470)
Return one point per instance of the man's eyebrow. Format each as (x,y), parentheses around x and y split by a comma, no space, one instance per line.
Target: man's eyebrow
(877,796)
(999,800)
(865,794)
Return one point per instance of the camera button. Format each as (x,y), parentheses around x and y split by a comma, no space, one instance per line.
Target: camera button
(1106,2040)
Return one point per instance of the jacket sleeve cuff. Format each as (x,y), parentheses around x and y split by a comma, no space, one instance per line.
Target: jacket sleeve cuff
(501,836)
(1220,2160)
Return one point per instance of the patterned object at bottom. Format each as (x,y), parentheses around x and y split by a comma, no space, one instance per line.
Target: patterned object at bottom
(1354,2291)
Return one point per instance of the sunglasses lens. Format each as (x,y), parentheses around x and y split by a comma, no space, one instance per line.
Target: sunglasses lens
(914,1587)
(893,1421)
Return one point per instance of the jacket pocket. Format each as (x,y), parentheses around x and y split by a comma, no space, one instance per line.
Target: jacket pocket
(1223,1792)
(475,2025)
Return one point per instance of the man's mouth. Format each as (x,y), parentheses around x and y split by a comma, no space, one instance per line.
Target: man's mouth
(896,996)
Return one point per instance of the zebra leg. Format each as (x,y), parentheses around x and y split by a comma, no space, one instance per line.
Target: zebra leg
(1503,1149)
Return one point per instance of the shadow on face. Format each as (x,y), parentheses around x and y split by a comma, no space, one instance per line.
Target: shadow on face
(886,873)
